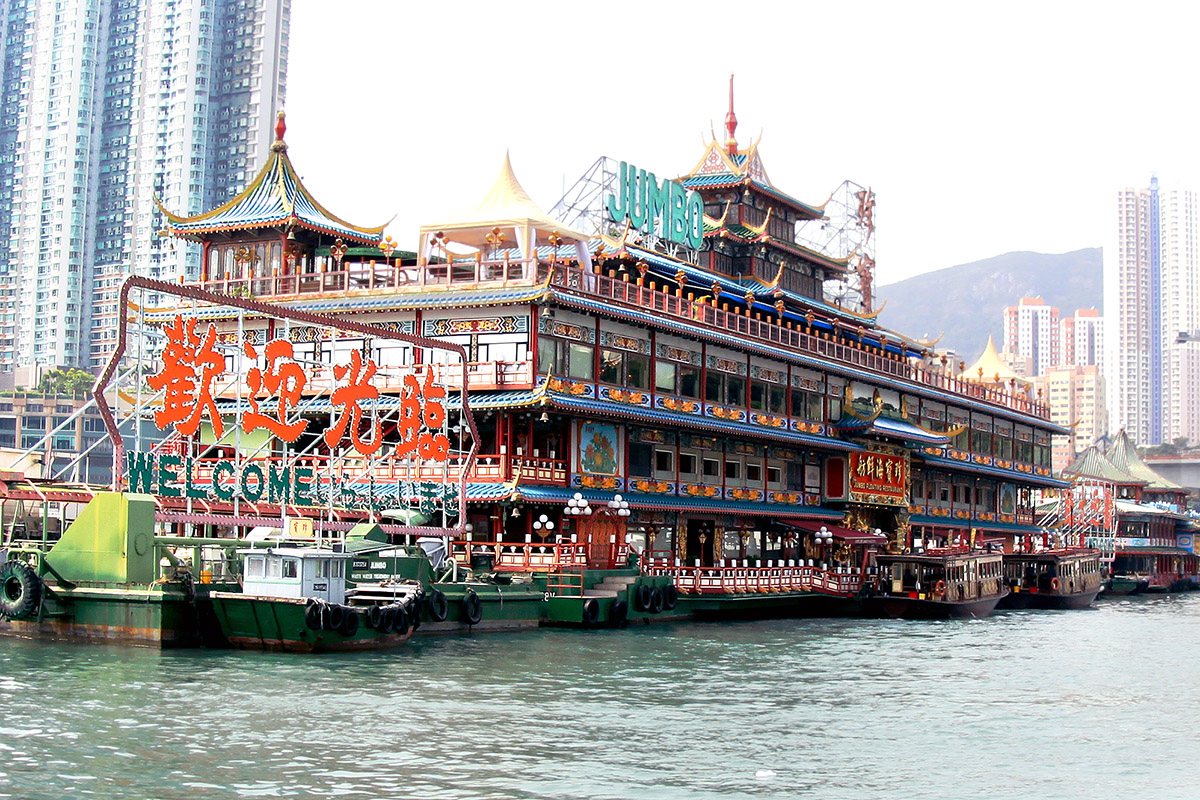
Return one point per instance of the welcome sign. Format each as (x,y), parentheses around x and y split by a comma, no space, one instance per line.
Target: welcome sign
(251,418)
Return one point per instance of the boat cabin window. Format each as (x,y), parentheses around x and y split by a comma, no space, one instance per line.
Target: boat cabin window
(255,566)
(336,570)
(753,473)
(712,468)
(290,568)
(664,463)
(321,568)
(273,567)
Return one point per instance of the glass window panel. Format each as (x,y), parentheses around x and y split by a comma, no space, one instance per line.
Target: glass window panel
(610,366)
(637,372)
(758,396)
(776,399)
(581,365)
(735,390)
(547,353)
(664,377)
(714,383)
(689,382)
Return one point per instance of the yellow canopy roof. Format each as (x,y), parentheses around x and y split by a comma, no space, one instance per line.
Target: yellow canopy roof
(506,206)
(994,369)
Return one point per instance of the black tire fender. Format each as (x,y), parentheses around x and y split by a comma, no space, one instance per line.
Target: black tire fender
(641,598)
(472,608)
(313,615)
(375,618)
(20,590)
(591,612)
(670,597)
(401,619)
(350,623)
(656,600)
(618,614)
(334,617)
(439,607)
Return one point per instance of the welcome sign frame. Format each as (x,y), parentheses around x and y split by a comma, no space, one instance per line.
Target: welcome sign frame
(420,466)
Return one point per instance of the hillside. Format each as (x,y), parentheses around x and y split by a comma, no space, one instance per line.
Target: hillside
(966,302)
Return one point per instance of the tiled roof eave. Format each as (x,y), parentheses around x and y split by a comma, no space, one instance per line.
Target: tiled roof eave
(623,411)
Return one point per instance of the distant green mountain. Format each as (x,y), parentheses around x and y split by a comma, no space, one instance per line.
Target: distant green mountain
(966,302)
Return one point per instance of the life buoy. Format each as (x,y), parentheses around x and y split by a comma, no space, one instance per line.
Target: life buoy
(472,608)
(312,615)
(375,618)
(656,600)
(20,590)
(618,613)
(349,625)
(1054,584)
(641,597)
(670,597)
(939,588)
(591,612)
(439,607)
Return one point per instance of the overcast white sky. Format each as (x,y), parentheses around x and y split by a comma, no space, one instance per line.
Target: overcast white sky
(982,128)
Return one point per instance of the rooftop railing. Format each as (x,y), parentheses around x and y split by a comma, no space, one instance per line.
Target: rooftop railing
(679,303)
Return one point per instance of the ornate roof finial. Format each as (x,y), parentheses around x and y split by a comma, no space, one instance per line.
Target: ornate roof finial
(278,145)
(731,123)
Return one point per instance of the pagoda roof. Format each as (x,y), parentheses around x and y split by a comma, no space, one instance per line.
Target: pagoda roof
(731,180)
(275,198)
(1124,456)
(1091,463)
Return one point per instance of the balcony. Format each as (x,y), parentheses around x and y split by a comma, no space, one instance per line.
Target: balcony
(371,277)
(825,346)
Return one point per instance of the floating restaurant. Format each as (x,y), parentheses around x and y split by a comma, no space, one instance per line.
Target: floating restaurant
(642,404)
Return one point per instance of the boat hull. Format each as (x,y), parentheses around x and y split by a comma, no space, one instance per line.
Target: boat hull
(902,607)
(278,624)
(1049,600)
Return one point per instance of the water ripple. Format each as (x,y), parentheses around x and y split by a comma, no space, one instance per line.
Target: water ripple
(1061,705)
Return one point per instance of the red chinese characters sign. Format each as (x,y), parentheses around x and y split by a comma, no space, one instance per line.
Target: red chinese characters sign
(879,478)
(192,366)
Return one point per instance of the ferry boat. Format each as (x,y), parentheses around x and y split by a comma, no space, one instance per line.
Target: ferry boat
(1060,578)
(940,583)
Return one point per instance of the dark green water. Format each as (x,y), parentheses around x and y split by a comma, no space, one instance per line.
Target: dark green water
(1084,704)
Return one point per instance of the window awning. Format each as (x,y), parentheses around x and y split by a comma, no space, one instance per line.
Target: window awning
(845,534)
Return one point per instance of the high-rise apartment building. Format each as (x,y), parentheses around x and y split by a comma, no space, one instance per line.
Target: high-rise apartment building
(1031,330)
(109,107)
(1081,339)
(1076,396)
(1152,297)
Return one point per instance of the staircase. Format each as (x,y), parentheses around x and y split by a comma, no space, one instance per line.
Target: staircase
(611,586)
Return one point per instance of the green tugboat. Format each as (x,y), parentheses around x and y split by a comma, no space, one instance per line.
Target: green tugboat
(295,599)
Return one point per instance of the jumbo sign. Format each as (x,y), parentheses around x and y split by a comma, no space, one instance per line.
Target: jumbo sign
(665,209)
